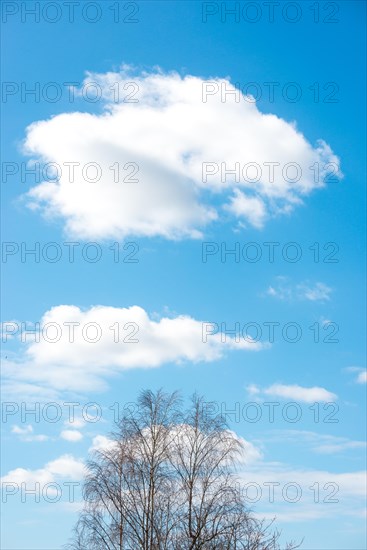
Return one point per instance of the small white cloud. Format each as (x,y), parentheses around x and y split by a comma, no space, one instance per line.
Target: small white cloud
(71,435)
(299,393)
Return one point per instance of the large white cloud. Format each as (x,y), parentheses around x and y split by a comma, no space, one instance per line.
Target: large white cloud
(182,141)
(77,349)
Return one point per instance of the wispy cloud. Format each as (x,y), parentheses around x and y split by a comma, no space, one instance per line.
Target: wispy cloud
(317,442)
(284,289)
(27,433)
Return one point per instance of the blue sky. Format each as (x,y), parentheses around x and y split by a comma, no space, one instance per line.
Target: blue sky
(171,133)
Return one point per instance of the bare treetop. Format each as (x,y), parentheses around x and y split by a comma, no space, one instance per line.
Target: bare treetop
(168,482)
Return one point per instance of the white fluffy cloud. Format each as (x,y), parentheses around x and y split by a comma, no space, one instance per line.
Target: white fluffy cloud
(65,467)
(77,349)
(294,392)
(71,435)
(182,146)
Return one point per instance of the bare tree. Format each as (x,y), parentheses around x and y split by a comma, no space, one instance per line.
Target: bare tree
(167,481)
